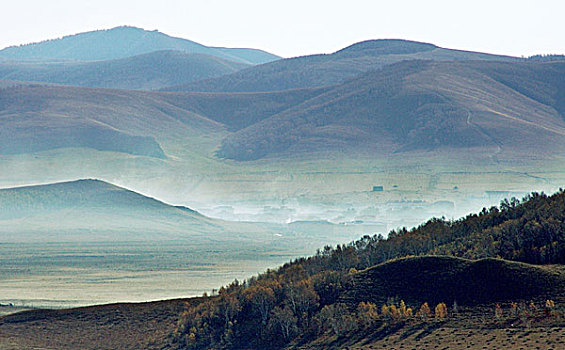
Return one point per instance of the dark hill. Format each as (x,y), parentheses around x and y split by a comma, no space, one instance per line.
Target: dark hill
(385,47)
(436,279)
(420,105)
(324,70)
(122,42)
(149,71)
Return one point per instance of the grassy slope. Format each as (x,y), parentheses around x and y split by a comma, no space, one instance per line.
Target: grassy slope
(40,118)
(149,71)
(481,284)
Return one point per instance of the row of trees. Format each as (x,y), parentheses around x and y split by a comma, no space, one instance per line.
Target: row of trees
(303,296)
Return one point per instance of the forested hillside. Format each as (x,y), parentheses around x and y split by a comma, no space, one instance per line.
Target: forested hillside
(325,293)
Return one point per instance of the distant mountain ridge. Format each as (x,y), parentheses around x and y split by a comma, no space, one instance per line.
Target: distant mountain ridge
(331,69)
(122,42)
(148,71)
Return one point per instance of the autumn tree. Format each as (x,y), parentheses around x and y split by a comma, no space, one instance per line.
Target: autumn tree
(367,313)
(262,301)
(283,322)
(337,318)
(424,312)
(498,311)
(228,307)
(440,311)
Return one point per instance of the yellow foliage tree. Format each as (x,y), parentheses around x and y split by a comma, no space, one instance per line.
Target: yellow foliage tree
(424,312)
(367,313)
(441,311)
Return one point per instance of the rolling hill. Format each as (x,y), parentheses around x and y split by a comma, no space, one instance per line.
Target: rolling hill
(331,69)
(149,71)
(123,42)
(420,105)
(67,211)
(88,242)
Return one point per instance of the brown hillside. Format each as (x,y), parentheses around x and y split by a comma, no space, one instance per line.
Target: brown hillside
(420,105)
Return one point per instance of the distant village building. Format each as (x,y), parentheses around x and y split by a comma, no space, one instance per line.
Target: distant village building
(378,188)
(360,227)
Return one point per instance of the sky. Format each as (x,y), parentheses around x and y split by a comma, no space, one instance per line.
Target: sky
(300,27)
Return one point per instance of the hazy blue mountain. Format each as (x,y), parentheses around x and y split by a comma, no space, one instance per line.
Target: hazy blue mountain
(122,42)
(91,210)
(148,71)
(94,210)
(84,194)
(331,69)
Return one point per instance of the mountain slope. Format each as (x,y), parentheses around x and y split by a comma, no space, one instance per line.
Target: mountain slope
(122,42)
(143,72)
(324,70)
(420,105)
